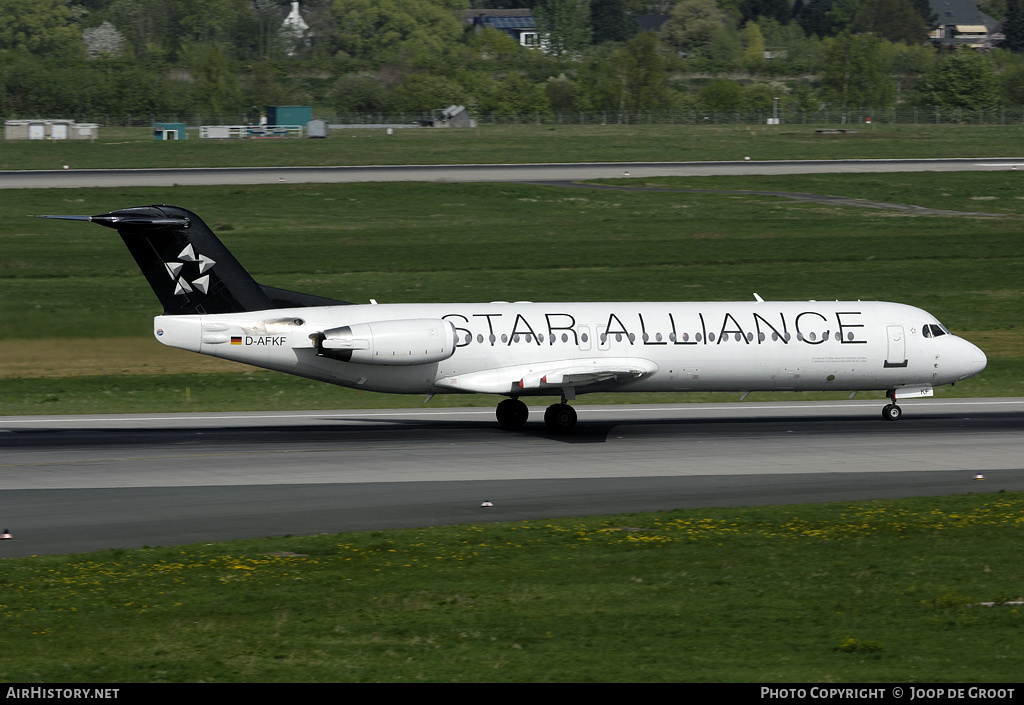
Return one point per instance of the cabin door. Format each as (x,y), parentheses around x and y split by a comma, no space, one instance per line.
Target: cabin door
(896,353)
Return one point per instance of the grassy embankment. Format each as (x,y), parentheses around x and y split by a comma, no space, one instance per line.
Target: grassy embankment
(884,591)
(76,313)
(510,144)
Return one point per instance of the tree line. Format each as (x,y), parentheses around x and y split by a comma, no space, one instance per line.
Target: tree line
(222,57)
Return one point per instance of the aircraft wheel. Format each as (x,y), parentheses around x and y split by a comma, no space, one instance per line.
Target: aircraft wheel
(891,412)
(560,418)
(512,414)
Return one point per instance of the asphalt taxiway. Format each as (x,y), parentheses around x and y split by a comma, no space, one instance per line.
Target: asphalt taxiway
(82,483)
(465,173)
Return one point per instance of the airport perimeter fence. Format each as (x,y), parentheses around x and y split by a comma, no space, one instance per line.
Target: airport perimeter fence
(999,115)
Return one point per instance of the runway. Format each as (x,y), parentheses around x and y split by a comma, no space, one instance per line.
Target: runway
(83,483)
(464,173)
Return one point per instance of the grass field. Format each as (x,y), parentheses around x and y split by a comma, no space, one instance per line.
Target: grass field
(76,314)
(512,144)
(886,591)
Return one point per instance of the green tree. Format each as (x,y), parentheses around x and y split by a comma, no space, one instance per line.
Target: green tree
(909,63)
(895,20)
(216,83)
(1013,84)
(726,46)
(924,8)
(753,47)
(216,21)
(421,33)
(41,27)
(562,93)
(804,99)
(495,47)
(792,51)
(692,25)
(265,84)
(517,95)
(840,14)
(358,95)
(599,85)
(266,29)
(1013,26)
(780,10)
(421,93)
(565,24)
(721,95)
(813,18)
(611,22)
(962,78)
(760,96)
(856,71)
(160,31)
(149,27)
(643,74)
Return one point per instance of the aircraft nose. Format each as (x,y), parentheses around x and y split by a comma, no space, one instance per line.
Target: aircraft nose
(976,360)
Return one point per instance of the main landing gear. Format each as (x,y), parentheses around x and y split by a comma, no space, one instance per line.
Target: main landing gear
(512,413)
(559,418)
(891,412)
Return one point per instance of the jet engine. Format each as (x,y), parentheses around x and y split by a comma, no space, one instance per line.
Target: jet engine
(415,341)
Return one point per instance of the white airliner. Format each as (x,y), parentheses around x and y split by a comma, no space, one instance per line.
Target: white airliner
(522,349)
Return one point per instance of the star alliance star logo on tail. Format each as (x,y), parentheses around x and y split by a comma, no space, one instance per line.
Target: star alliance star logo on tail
(176,270)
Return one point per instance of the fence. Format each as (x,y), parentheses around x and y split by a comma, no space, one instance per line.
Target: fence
(999,115)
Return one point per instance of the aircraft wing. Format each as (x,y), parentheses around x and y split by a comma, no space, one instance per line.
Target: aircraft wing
(551,375)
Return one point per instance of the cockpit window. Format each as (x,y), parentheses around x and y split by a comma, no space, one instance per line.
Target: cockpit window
(932,330)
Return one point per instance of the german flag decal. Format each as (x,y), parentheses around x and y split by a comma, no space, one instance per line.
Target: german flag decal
(236,340)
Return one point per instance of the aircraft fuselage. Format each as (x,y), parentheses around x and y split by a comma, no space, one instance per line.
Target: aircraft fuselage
(509,348)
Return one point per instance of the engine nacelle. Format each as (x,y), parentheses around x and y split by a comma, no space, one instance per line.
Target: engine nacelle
(417,341)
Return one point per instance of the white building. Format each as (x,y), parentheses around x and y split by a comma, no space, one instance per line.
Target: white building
(294,30)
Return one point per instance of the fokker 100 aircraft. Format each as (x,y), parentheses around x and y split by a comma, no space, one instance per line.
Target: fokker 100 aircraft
(522,349)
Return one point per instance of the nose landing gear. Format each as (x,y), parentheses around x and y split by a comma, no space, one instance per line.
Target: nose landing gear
(891,412)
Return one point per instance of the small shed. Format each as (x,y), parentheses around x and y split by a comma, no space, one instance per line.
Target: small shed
(289,114)
(45,130)
(169,131)
(85,131)
(317,128)
(16,129)
(59,129)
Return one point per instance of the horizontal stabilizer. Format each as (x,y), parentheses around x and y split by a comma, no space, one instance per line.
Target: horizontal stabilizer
(112,220)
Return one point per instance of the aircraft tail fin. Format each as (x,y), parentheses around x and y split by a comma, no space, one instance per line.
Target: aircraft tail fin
(188,267)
